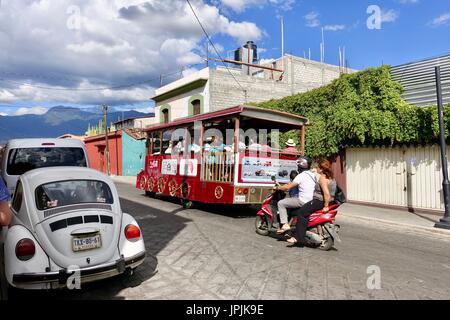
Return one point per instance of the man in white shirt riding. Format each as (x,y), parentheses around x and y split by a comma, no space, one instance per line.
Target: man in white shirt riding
(305,182)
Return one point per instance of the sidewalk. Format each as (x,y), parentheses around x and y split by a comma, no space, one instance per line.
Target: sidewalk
(374,216)
(123,179)
(393,217)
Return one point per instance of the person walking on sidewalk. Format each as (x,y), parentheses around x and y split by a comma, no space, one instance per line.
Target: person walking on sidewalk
(5,212)
(305,182)
(324,192)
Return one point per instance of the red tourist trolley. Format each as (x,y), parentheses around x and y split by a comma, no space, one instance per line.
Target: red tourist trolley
(187,158)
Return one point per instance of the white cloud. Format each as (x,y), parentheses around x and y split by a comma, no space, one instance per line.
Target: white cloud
(266,61)
(3,114)
(334,27)
(32,110)
(312,19)
(7,96)
(389,16)
(103,43)
(441,20)
(285,5)
(241,5)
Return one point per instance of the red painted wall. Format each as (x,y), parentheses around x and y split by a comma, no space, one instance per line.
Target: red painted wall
(338,166)
(97,152)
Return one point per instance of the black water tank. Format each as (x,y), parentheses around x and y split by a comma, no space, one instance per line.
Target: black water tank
(238,54)
(252,46)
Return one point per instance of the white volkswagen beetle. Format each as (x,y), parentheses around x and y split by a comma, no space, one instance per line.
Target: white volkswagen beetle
(68,220)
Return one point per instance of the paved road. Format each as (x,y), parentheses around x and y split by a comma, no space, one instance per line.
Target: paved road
(214,253)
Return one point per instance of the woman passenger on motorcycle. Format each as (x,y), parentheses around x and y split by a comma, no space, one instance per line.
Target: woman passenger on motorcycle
(324,193)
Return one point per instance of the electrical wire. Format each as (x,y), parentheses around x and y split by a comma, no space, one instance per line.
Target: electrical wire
(217,52)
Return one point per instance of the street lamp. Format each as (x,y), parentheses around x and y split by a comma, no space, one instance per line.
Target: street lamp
(444,223)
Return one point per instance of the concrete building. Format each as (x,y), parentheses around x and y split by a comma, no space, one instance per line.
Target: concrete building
(212,89)
(133,123)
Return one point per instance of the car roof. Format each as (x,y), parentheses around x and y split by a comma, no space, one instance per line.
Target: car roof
(37,177)
(37,142)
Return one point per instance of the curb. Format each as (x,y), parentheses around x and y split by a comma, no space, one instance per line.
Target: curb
(415,228)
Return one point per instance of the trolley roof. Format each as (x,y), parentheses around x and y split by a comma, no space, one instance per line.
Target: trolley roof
(267,118)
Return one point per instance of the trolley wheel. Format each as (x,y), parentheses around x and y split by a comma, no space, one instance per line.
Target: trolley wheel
(161,185)
(151,184)
(143,182)
(187,204)
(185,190)
(173,188)
(150,194)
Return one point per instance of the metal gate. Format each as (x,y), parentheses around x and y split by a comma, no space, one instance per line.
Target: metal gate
(400,176)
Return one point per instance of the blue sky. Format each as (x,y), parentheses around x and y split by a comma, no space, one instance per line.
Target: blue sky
(409,36)
(60,53)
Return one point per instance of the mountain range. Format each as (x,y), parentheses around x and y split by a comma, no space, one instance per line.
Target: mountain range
(57,121)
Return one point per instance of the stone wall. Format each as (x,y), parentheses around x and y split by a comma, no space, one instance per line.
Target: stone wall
(300,75)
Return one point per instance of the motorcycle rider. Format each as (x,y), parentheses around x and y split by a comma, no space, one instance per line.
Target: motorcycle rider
(305,182)
(324,193)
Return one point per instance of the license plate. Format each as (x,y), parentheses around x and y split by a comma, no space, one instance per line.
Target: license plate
(86,243)
(239,199)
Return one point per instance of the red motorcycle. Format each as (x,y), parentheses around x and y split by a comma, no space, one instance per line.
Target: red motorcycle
(322,230)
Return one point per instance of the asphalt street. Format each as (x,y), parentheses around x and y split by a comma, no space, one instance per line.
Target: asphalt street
(214,253)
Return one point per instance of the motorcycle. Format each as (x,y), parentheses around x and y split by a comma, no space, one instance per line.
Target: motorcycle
(322,230)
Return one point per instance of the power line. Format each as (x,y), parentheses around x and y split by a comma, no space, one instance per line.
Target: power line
(214,47)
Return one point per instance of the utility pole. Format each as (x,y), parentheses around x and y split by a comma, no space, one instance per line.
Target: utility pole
(105,112)
(444,223)
(207,53)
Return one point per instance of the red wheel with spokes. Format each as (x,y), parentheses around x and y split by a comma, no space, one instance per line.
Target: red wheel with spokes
(173,188)
(161,185)
(151,184)
(218,192)
(143,182)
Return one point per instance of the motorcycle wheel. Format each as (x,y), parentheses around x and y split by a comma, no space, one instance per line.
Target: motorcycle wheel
(261,226)
(327,244)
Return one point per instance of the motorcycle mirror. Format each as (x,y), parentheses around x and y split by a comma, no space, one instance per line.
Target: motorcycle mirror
(273,178)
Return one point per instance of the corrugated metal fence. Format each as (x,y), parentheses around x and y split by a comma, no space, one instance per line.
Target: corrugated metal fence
(401,176)
(419,80)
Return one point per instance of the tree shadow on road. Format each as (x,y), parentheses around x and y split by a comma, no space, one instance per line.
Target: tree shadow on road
(158,229)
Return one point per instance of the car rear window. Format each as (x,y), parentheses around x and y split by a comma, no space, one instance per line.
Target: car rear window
(64,193)
(22,160)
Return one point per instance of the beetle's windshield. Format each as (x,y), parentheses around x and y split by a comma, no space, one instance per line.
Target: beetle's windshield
(63,193)
(24,159)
